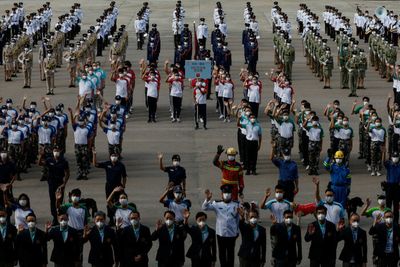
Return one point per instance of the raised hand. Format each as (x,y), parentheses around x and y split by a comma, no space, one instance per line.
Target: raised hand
(208,194)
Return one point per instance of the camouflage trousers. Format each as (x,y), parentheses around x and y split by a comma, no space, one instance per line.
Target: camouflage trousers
(15,154)
(367,148)
(114,149)
(285,143)
(3,144)
(314,150)
(361,136)
(344,146)
(61,140)
(47,150)
(82,159)
(275,138)
(376,155)
(33,148)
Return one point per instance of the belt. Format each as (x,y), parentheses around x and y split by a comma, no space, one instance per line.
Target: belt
(229,181)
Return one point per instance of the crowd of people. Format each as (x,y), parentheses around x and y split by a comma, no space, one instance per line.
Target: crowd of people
(32,135)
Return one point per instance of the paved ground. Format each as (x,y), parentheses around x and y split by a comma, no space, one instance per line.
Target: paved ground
(143,141)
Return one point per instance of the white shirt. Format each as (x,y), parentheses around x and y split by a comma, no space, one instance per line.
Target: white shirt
(76,218)
(15,137)
(113,137)
(278,208)
(227,223)
(286,95)
(20,217)
(201,97)
(45,134)
(176,89)
(253,131)
(285,129)
(81,135)
(377,135)
(334,212)
(202,31)
(121,87)
(253,93)
(314,134)
(227,90)
(152,89)
(86,87)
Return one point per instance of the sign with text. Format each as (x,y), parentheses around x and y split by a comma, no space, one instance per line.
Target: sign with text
(197,69)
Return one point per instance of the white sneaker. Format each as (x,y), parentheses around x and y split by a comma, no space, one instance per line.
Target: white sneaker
(225,120)
(369,168)
(201,120)
(126,116)
(373,173)
(178,120)
(308,166)
(217,110)
(378,174)
(221,116)
(229,120)
(173,120)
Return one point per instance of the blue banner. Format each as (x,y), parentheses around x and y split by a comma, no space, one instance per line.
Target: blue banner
(197,69)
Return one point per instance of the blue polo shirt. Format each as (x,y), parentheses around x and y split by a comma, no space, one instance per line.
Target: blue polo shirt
(287,169)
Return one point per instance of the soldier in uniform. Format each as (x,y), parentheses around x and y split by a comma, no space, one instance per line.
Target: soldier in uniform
(352,67)
(8,62)
(391,57)
(202,33)
(327,64)
(49,65)
(288,59)
(42,56)
(26,59)
(71,59)
(343,58)
(140,29)
(362,68)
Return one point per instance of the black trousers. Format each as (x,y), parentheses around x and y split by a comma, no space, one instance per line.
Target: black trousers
(288,187)
(393,198)
(315,263)
(201,263)
(140,40)
(241,138)
(395,39)
(396,96)
(226,250)
(221,106)
(304,147)
(200,111)
(389,260)
(177,106)
(52,195)
(100,47)
(254,108)
(177,40)
(251,155)
(152,102)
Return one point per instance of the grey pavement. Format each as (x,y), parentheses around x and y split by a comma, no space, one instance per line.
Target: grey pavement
(142,141)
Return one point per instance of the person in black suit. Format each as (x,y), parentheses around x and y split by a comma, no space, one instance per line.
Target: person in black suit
(171,239)
(354,252)
(103,242)
(135,243)
(31,244)
(8,234)
(252,251)
(387,247)
(203,250)
(286,242)
(323,237)
(66,242)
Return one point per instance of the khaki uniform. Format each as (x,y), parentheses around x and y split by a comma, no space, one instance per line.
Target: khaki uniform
(26,59)
(8,63)
(352,68)
(49,64)
(72,67)
(42,56)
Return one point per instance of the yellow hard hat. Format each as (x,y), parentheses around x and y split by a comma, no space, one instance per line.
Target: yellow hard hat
(231,151)
(339,155)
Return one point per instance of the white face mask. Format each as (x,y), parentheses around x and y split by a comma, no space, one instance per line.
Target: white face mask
(2,220)
(226,196)
(123,201)
(252,120)
(56,154)
(389,220)
(169,222)
(381,202)
(329,199)
(22,202)
(321,217)
(134,222)
(175,163)
(231,158)
(279,195)
(338,161)
(178,195)
(355,224)
(365,103)
(100,224)
(315,123)
(378,124)
(345,123)
(395,159)
(63,223)
(31,225)
(75,199)
(117,102)
(113,158)
(247,113)
(201,224)
(288,221)
(285,118)
(286,158)
(253,221)
(3,156)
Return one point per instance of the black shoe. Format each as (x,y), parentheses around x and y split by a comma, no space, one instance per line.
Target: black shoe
(149,121)
(248,172)
(84,177)
(254,173)
(310,172)
(79,177)
(154,120)
(48,93)
(205,127)
(196,127)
